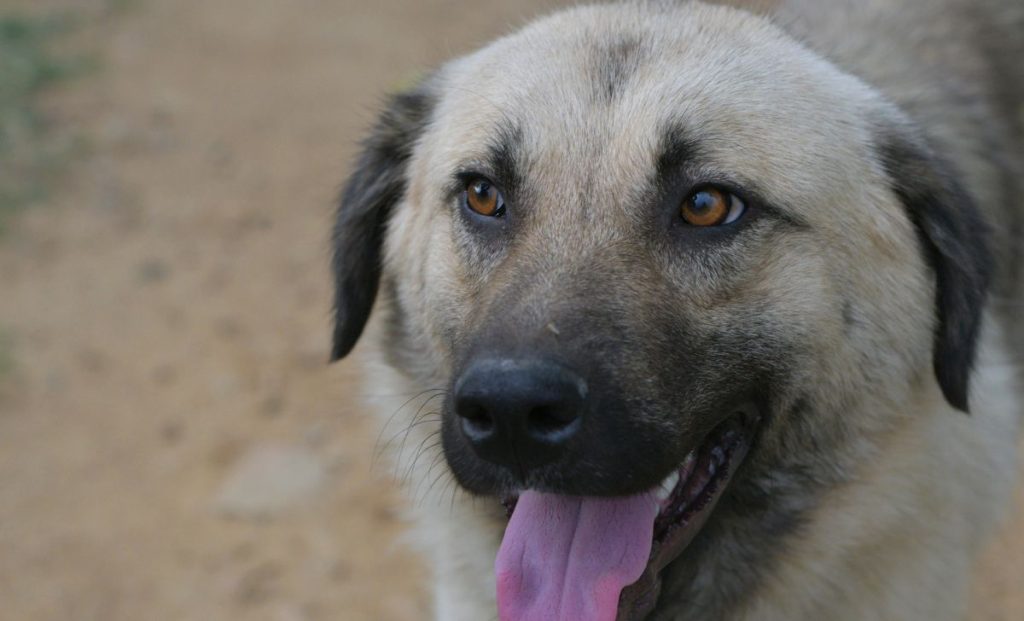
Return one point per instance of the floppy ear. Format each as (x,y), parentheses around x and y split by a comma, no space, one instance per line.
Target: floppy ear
(375,185)
(955,240)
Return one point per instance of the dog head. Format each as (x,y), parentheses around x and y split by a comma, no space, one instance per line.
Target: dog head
(633,242)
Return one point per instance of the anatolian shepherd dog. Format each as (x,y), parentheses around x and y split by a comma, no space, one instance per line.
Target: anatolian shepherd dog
(719,307)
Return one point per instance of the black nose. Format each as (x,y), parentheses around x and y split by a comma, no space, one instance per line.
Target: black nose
(519,413)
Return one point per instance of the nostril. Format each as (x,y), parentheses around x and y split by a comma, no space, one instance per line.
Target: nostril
(477,422)
(545,418)
(551,423)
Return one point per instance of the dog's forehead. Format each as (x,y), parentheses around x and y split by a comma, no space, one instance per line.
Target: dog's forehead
(600,87)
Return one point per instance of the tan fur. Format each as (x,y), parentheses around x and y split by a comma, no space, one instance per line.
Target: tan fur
(926,482)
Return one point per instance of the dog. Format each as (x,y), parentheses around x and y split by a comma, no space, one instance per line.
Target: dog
(709,310)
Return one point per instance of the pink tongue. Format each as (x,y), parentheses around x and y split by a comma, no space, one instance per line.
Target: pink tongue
(567,559)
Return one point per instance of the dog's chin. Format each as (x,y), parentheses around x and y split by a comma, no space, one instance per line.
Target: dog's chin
(686,499)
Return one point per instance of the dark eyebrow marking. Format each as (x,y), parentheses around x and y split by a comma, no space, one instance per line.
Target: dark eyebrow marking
(501,162)
(503,157)
(676,149)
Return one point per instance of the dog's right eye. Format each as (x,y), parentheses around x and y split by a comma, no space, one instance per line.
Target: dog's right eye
(482,197)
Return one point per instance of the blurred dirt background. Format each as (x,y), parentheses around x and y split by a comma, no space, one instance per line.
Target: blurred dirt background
(172,444)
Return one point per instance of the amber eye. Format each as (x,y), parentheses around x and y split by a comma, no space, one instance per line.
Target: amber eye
(485,199)
(712,207)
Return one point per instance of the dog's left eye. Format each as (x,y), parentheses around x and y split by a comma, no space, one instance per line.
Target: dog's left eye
(711,206)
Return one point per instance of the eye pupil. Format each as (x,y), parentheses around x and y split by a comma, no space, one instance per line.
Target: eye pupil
(703,202)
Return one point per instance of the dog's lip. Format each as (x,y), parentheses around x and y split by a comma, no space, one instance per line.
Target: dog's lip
(700,481)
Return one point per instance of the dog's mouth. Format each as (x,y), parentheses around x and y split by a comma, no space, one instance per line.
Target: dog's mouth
(572,558)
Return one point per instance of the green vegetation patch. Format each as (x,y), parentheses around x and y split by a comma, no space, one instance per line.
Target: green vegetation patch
(31,153)
(6,353)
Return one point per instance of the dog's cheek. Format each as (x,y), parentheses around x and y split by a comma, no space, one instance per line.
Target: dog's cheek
(780,302)
(771,334)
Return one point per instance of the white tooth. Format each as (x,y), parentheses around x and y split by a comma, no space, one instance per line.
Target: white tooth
(688,464)
(666,487)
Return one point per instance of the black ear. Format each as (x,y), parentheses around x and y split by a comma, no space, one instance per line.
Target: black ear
(375,185)
(955,240)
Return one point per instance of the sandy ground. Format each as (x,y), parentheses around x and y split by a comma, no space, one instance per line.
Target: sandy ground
(168,309)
